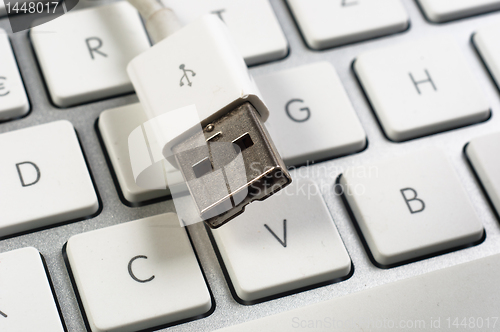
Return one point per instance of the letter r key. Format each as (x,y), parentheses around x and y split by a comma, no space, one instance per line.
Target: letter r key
(402,222)
(86,56)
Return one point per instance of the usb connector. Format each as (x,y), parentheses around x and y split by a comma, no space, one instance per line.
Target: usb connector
(238,164)
(208,119)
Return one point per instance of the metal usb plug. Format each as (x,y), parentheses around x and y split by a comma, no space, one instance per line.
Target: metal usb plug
(207,117)
(237,165)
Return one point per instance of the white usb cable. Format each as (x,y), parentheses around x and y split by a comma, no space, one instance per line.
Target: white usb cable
(160,21)
(206,113)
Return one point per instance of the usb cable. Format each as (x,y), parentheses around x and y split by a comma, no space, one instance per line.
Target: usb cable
(208,113)
(160,21)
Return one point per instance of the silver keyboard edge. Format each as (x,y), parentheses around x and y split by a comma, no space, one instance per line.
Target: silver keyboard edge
(366,275)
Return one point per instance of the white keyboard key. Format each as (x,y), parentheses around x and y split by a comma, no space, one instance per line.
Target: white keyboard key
(410,207)
(329,23)
(440,11)
(311,116)
(421,88)
(13,100)
(138,275)
(84,54)
(115,127)
(485,40)
(252,23)
(484,155)
(286,242)
(26,299)
(458,298)
(2,8)
(44,178)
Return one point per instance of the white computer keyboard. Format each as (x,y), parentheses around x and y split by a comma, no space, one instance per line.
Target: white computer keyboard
(383,110)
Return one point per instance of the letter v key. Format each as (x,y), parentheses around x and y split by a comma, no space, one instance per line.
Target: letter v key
(283,243)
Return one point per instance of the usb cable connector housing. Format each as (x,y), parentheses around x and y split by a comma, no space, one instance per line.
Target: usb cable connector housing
(209,119)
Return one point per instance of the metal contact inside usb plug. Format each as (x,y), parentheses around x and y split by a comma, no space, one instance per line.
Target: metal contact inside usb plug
(236,164)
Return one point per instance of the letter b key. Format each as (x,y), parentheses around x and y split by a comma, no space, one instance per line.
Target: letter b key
(402,222)
(412,197)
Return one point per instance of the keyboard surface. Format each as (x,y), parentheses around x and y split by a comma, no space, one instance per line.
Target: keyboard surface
(372,131)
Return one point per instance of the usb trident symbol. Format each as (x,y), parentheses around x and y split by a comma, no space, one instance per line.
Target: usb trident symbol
(193,74)
(2,87)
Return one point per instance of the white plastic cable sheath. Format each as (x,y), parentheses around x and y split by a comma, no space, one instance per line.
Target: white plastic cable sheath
(161,21)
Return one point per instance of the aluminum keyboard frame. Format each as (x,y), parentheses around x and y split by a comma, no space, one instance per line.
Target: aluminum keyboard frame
(229,312)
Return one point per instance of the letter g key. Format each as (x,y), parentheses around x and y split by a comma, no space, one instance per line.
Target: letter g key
(303,109)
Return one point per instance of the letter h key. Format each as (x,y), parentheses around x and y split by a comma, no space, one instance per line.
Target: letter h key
(419,82)
(421,88)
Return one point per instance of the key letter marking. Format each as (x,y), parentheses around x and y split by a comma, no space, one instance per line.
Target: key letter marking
(414,198)
(283,243)
(428,80)
(97,44)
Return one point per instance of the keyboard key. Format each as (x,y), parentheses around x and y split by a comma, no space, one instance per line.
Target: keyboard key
(448,300)
(252,23)
(116,127)
(484,155)
(440,11)
(2,8)
(329,23)
(138,275)
(26,299)
(312,117)
(44,178)
(13,100)
(485,40)
(410,207)
(84,54)
(421,88)
(286,242)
